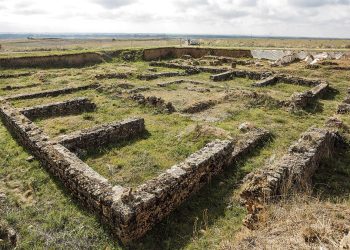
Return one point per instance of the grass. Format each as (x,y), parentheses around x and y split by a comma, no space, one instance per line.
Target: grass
(46,216)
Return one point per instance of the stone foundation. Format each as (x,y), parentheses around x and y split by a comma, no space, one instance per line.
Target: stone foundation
(222,76)
(199,106)
(149,77)
(305,99)
(47,93)
(13,87)
(113,76)
(104,134)
(70,107)
(129,213)
(155,199)
(154,101)
(293,171)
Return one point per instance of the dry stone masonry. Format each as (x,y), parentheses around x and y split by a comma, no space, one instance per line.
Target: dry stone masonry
(70,107)
(104,134)
(47,93)
(153,101)
(293,171)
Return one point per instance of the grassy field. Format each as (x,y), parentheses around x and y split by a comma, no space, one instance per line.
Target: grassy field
(30,47)
(45,216)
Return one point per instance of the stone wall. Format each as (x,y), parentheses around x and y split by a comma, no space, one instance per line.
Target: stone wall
(93,190)
(129,213)
(293,171)
(305,99)
(113,76)
(199,106)
(52,61)
(155,199)
(13,87)
(222,76)
(149,77)
(70,107)
(172,52)
(47,93)
(104,134)
(153,101)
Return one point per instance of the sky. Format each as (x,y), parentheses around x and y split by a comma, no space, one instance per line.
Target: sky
(310,18)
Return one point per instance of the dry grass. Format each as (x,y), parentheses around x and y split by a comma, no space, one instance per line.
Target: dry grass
(301,222)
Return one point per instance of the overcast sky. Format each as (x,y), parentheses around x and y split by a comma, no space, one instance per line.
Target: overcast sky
(318,18)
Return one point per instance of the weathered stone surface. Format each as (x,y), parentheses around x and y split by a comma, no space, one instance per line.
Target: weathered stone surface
(70,107)
(199,106)
(154,101)
(103,134)
(266,82)
(166,84)
(55,92)
(298,80)
(113,76)
(293,171)
(149,77)
(222,76)
(303,100)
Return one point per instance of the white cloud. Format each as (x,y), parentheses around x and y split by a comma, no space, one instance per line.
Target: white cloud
(326,18)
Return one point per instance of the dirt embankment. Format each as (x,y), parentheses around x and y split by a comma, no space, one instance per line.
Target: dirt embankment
(172,52)
(53,61)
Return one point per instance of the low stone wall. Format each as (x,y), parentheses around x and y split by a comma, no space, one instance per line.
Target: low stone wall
(113,76)
(280,78)
(199,106)
(5,76)
(13,87)
(154,101)
(293,171)
(166,84)
(222,76)
(149,77)
(47,93)
(70,107)
(303,100)
(155,199)
(172,52)
(253,75)
(266,82)
(86,185)
(213,70)
(129,213)
(52,61)
(298,80)
(103,134)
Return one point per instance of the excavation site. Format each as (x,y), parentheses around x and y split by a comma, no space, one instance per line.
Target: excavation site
(174,147)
